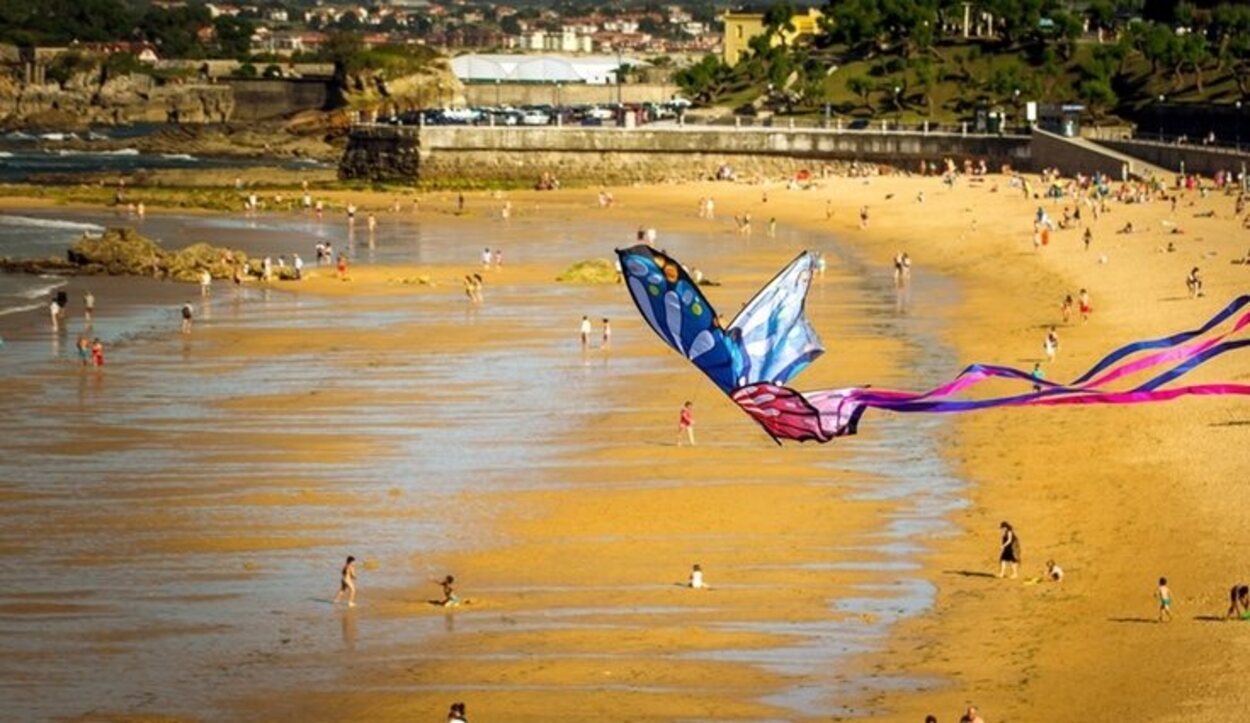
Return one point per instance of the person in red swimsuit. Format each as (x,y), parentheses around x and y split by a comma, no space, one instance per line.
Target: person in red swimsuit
(685,425)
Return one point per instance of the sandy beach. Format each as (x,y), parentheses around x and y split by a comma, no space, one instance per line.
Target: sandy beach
(183,513)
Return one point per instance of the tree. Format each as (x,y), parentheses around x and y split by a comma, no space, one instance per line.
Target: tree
(1098,95)
(234,36)
(861,86)
(926,78)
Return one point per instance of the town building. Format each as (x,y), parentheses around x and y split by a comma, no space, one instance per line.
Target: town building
(741,28)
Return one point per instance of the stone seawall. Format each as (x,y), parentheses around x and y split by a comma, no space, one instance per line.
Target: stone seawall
(1194,159)
(612,155)
(267,98)
(381,153)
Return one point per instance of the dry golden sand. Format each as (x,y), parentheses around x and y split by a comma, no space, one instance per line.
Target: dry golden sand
(1119,496)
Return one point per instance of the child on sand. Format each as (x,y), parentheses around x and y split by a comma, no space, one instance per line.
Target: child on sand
(607,334)
(1066,308)
(342,267)
(685,424)
(1164,595)
(1054,573)
(347,583)
(450,599)
(1086,307)
(696,578)
(1038,375)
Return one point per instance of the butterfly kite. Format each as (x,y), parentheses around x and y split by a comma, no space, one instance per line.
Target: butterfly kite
(753,358)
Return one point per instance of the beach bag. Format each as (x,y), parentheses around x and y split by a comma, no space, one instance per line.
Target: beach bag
(1015,546)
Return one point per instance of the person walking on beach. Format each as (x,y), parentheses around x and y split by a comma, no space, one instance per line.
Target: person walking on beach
(486,257)
(1085,306)
(342,267)
(584,332)
(1009,552)
(685,424)
(1239,602)
(55,311)
(88,306)
(1164,595)
(206,282)
(460,203)
(188,312)
(347,583)
(1089,237)
(299,267)
(1051,344)
(1066,308)
(1038,375)
(1193,282)
(607,334)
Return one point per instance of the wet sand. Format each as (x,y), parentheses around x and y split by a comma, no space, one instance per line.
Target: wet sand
(184,513)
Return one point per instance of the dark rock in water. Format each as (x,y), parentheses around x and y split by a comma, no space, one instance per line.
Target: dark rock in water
(118,251)
(50,265)
(122,251)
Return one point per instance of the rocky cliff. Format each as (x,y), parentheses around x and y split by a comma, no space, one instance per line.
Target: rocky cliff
(90,98)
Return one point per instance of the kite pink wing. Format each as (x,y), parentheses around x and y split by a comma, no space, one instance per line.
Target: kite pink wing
(787,414)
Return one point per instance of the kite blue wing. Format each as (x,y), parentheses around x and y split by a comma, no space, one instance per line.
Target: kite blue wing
(679,313)
(774,336)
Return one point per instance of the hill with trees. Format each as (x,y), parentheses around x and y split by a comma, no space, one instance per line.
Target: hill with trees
(911,61)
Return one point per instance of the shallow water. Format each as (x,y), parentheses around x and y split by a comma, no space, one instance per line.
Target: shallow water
(184,626)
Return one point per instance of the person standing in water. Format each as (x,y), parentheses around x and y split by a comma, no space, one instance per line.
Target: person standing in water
(88,306)
(584,332)
(347,583)
(188,312)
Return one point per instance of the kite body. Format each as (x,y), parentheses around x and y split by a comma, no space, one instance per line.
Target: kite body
(752,358)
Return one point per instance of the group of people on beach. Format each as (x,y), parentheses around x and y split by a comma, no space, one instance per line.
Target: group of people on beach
(584,331)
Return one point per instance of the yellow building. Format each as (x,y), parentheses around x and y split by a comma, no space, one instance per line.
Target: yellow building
(740,28)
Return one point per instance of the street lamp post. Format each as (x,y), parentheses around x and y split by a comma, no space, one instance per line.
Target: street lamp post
(1161,99)
(1237,124)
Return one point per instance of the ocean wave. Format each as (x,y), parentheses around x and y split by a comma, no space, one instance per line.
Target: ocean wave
(58,136)
(38,292)
(8,220)
(179,157)
(5,154)
(6,310)
(18,136)
(118,152)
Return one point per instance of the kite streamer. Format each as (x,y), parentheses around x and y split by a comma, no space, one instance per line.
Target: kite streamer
(752,358)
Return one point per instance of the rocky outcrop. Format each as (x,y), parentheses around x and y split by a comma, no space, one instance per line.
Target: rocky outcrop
(122,251)
(88,98)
